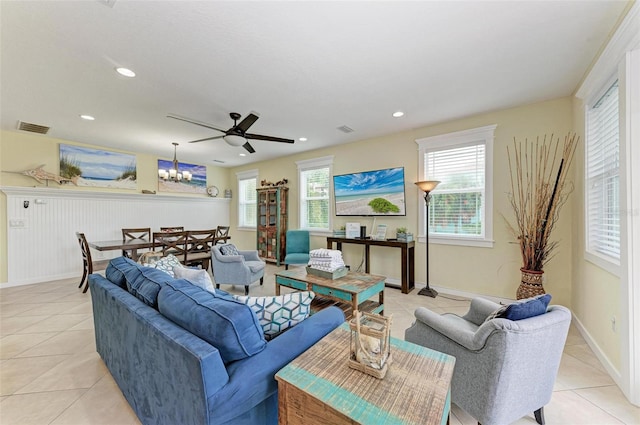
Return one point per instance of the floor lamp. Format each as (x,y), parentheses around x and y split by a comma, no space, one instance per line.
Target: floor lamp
(427,186)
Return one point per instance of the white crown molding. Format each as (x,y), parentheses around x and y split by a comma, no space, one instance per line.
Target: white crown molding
(83,194)
(626,38)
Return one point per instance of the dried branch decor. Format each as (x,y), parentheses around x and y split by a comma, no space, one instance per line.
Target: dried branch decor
(539,188)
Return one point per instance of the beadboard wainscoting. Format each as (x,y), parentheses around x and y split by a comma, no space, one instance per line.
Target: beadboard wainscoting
(41,241)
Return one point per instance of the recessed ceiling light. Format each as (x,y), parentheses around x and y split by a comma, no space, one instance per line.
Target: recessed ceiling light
(87,117)
(303,139)
(398,114)
(243,154)
(126,72)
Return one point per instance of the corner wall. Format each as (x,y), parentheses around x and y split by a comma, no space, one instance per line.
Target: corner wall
(489,271)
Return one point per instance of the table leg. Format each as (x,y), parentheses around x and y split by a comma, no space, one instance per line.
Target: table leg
(366,258)
(381,301)
(277,288)
(405,271)
(412,269)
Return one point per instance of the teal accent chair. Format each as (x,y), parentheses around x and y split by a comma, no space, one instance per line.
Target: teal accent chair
(297,248)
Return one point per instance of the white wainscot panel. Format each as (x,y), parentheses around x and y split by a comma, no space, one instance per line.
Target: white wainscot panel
(41,241)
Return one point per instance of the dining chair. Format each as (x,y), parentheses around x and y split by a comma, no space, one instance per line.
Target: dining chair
(199,247)
(222,234)
(172,229)
(171,243)
(133,234)
(88,265)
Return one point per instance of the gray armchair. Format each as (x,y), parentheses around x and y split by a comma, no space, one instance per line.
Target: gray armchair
(242,269)
(504,369)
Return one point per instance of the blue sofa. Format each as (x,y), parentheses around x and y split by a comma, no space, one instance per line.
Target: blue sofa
(168,374)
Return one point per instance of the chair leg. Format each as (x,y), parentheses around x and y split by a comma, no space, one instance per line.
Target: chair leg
(261,280)
(217,286)
(539,414)
(286,267)
(246,290)
(84,276)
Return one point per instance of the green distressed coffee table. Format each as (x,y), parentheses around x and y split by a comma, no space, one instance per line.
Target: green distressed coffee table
(319,387)
(350,292)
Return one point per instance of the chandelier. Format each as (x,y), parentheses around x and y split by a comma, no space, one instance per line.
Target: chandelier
(174,173)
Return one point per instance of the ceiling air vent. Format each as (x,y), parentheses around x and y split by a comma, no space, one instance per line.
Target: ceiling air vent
(345,129)
(218,161)
(33,128)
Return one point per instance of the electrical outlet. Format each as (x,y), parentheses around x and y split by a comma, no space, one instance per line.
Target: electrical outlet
(18,223)
(613,323)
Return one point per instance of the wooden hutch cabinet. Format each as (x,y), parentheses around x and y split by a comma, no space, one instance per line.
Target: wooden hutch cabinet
(272,223)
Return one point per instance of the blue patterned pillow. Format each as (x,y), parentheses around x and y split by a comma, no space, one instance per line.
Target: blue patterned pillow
(229,249)
(523,309)
(278,313)
(166,264)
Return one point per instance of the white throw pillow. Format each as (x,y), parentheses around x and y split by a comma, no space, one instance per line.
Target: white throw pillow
(278,313)
(198,277)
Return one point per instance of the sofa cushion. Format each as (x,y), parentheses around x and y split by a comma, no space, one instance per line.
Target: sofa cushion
(223,322)
(145,282)
(229,249)
(166,264)
(198,277)
(522,309)
(277,313)
(116,268)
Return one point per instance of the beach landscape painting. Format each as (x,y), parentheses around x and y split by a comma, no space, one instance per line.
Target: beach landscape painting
(98,168)
(370,193)
(197,184)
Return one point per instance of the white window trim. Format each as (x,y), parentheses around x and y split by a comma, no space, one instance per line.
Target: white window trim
(310,164)
(610,264)
(245,175)
(451,140)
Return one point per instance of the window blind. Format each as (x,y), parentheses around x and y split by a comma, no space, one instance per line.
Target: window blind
(314,198)
(247,202)
(457,204)
(603,176)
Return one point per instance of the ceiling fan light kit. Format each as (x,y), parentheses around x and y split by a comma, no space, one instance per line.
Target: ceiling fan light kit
(236,135)
(234,140)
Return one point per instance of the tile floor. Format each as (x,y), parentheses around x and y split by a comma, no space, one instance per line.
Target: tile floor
(50,372)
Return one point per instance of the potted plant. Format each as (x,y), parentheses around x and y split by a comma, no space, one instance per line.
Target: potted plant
(539,189)
(402,235)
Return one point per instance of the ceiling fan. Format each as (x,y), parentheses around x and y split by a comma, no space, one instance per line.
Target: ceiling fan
(236,135)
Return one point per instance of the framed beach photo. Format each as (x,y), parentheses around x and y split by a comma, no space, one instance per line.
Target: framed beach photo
(168,181)
(98,168)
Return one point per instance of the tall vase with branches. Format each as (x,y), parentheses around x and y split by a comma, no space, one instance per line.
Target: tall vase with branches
(539,189)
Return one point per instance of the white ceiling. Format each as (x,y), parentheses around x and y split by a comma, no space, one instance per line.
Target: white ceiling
(306,67)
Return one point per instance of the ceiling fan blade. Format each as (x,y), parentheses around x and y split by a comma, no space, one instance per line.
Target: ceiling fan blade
(189,120)
(268,138)
(247,121)
(249,148)
(206,138)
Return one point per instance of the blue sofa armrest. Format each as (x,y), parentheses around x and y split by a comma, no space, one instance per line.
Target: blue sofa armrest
(252,380)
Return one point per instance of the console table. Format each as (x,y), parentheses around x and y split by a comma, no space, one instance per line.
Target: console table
(407,255)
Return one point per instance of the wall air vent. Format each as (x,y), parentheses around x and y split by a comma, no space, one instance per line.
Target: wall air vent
(33,128)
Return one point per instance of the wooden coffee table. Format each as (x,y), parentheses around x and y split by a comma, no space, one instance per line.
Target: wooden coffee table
(319,387)
(350,292)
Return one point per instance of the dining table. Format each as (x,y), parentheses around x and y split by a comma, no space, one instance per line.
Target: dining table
(132,245)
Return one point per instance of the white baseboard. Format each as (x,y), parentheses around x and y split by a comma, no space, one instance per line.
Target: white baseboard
(610,368)
(40,280)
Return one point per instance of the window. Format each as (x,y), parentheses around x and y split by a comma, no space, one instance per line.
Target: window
(460,210)
(247,183)
(603,177)
(314,177)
